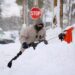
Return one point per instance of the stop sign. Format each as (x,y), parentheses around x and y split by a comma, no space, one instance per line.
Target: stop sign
(35,13)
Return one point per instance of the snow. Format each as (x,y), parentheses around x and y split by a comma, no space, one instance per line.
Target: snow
(56,58)
(10,8)
(49,15)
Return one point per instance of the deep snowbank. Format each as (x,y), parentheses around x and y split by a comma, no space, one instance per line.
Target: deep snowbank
(56,58)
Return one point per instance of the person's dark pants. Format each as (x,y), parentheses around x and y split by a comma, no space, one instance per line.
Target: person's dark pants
(25,46)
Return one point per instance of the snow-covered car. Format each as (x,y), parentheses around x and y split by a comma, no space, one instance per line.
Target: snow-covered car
(4,38)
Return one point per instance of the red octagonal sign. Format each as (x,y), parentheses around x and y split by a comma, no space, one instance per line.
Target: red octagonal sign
(35,13)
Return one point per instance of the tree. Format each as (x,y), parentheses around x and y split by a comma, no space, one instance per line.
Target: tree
(61,13)
(19,2)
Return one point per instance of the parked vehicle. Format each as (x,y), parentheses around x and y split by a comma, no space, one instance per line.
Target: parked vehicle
(4,38)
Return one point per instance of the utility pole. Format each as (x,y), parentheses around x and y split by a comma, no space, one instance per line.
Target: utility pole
(69,21)
(61,13)
(35,4)
(23,13)
(52,12)
(58,13)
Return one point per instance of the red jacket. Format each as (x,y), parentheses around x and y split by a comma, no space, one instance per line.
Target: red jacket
(68,36)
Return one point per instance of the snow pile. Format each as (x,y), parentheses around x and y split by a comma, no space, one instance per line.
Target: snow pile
(56,58)
(10,8)
(70,27)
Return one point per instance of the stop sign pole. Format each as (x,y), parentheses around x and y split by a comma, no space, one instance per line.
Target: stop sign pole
(35,13)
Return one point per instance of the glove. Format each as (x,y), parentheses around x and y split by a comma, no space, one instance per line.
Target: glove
(61,36)
(34,45)
(45,42)
(25,45)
